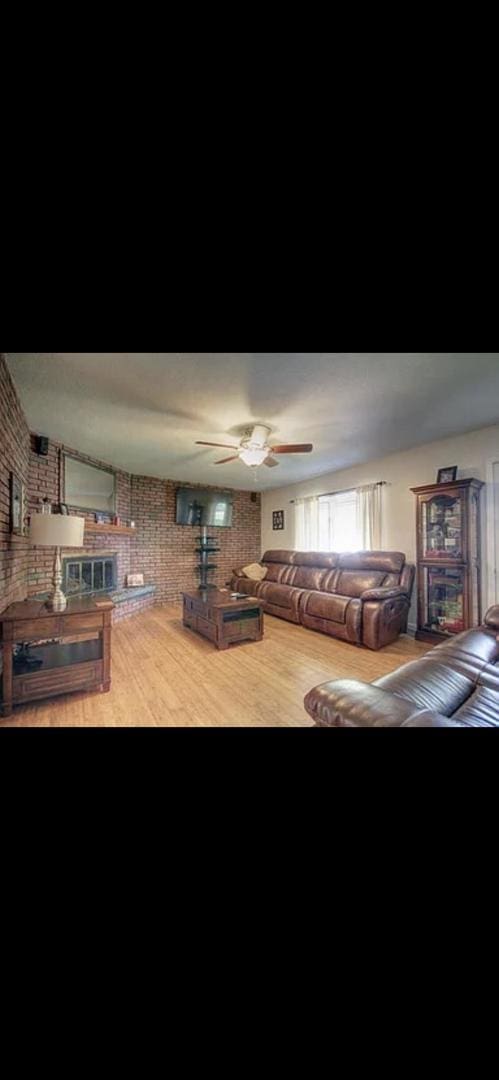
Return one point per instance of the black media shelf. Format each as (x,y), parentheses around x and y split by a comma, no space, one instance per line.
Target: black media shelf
(56,655)
(207,546)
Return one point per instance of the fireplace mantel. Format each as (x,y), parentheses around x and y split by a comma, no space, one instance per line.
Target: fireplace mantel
(109,530)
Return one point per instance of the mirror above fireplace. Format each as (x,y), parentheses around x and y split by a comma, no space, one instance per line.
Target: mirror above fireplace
(88,487)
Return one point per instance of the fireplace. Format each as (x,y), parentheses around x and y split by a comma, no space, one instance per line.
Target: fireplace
(89,574)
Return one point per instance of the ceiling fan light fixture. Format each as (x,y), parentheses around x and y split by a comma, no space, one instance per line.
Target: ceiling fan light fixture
(253,457)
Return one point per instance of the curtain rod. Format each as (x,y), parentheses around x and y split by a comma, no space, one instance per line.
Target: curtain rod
(342,491)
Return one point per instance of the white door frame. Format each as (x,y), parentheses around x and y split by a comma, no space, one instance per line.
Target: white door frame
(492,496)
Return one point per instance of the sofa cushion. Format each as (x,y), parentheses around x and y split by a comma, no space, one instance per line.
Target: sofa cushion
(340,616)
(308,577)
(389,561)
(325,605)
(430,683)
(279,595)
(480,710)
(326,560)
(255,571)
(355,582)
(275,571)
(279,555)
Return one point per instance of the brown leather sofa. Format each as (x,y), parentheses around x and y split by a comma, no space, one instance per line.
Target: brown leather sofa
(362,598)
(455,685)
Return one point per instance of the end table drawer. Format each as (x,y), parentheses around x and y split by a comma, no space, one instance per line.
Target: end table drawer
(34,629)
(76,624)
(57,681)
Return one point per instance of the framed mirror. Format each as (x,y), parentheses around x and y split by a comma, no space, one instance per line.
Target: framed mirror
(88,487)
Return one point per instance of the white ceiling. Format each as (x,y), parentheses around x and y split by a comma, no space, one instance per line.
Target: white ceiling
(143,411)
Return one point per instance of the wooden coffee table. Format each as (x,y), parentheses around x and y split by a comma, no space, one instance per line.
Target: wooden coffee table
(224,621)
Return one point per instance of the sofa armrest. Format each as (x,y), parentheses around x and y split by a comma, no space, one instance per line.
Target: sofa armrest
(351,703)
(388,593)
(491,617)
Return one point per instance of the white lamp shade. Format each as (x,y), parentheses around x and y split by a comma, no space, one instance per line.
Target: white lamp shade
(56,530)
(253,455)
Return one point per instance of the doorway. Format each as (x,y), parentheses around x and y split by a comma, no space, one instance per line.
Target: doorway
(493,532)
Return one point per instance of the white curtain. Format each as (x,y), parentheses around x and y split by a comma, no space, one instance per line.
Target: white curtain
(347,521)
(307,524)
(369,517)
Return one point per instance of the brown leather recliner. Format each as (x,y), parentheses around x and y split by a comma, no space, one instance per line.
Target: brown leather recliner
(456,684)
(362,598)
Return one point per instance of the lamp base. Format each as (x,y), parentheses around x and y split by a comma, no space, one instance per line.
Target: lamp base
(56,602)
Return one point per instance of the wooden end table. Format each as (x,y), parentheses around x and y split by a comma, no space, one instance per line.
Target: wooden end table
(222,620)
(55,667)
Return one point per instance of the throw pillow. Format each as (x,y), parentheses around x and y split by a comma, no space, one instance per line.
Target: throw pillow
(255,572)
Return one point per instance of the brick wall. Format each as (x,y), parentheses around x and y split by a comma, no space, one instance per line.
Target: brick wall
(14,454)
(161,550)
(165,552)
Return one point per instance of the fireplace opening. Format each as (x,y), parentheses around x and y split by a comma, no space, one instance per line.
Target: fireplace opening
(89,574)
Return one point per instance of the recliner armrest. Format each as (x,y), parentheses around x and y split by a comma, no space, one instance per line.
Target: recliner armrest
(351,703)
(390,592)
(491,617)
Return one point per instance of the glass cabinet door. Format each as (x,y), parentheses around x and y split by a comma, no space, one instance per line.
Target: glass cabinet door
(442,526)
(443,599)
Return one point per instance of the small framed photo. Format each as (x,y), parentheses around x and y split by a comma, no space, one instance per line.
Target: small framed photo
(278,519)
(447,475)
(16,505)
(101,519)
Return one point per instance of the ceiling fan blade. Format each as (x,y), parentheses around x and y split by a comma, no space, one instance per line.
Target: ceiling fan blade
(270,462)
(224,445)
(293,448)
(224,459)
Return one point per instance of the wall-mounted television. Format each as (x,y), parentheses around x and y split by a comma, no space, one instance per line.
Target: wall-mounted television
(199,506)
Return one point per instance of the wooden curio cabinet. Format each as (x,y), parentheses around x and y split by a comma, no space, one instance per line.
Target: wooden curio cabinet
(448,558)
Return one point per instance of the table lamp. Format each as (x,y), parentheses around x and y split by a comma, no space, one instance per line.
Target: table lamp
(56,530)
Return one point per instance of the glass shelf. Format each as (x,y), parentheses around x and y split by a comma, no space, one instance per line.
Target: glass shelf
(442,531)
(443,599)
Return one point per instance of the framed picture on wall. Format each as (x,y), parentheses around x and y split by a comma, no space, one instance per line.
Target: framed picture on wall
(278,519)
(16,505)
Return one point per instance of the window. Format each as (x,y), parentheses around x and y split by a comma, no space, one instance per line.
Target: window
(342,521)
(338,522)
(220,514)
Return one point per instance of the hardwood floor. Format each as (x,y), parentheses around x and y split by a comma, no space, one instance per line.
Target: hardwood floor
(166,675)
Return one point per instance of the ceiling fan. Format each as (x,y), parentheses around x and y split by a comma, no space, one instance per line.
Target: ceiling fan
(254,449)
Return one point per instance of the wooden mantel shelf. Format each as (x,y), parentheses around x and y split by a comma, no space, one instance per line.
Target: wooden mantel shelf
(114,530)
